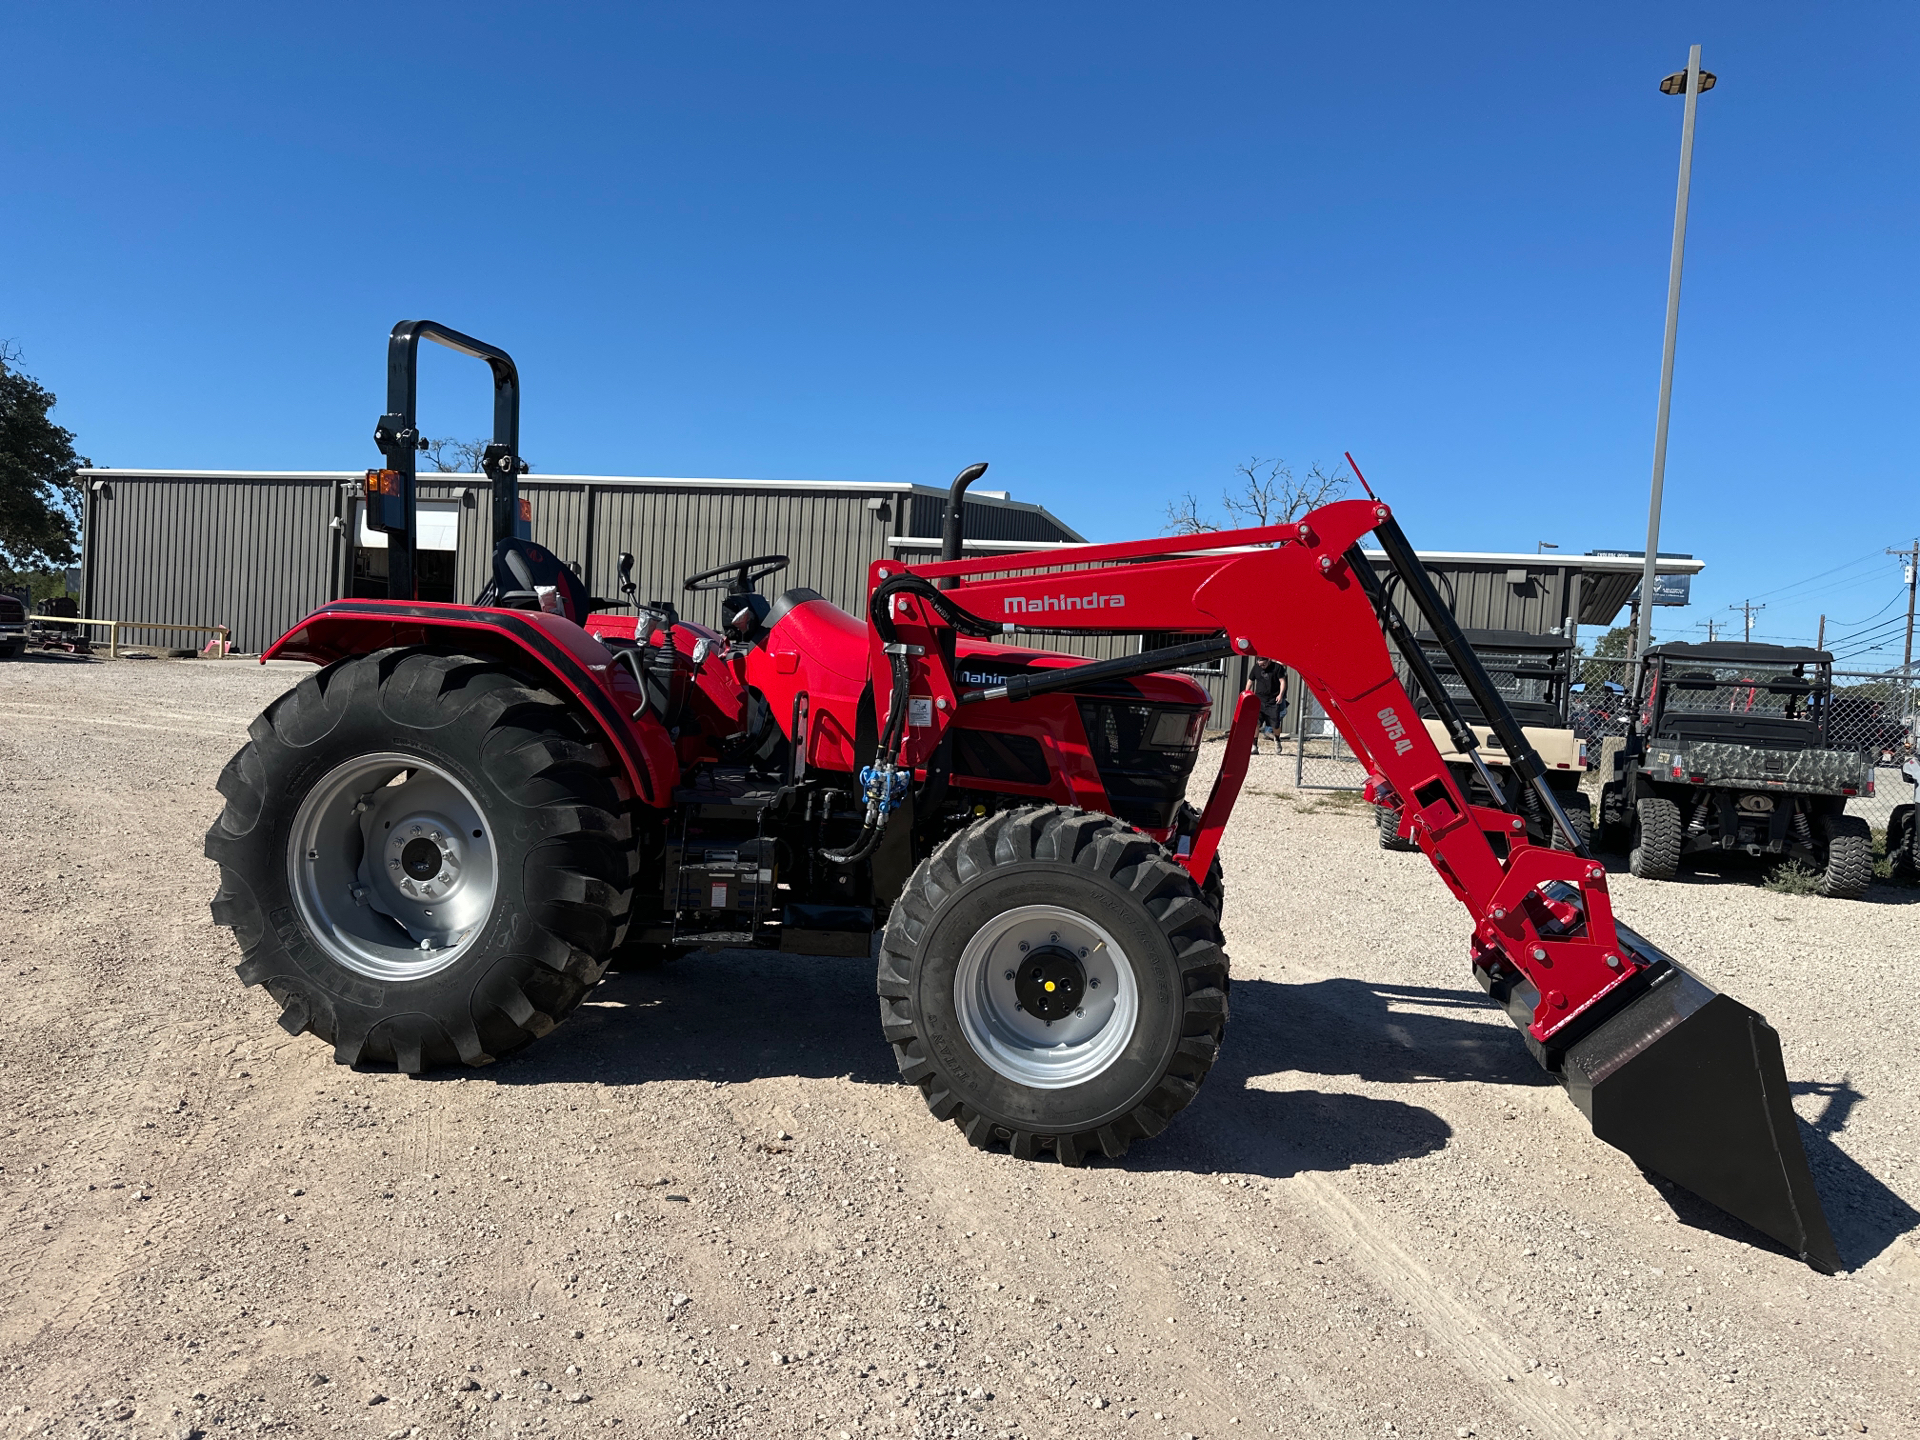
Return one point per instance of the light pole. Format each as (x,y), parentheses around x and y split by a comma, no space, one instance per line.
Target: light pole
(1689,82)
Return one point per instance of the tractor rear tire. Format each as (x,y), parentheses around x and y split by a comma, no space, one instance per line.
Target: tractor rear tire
(1849,844)
(1036,892)
(1387,818)
(1657,837)
(533,845)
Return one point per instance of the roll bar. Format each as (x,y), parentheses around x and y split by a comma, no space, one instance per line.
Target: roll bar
(392,507)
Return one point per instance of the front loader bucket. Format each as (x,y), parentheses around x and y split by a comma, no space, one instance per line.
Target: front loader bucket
(1691,1084)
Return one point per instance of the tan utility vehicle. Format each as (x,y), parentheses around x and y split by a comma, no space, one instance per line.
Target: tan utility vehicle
(1534,675)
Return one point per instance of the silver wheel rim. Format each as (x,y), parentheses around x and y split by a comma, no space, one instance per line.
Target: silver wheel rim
(358,861)
(1017,1044)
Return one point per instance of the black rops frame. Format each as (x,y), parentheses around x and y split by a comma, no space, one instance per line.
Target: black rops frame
(393,509)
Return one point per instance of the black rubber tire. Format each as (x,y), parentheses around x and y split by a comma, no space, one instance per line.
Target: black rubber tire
(1580,814)
(1903,844)
(547,790)
(1215,891)
(1849,844)
(10,652)
(1657,836)
(1387,819)
(1066,857)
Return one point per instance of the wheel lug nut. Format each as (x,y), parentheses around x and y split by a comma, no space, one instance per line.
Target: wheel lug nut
(1023,947)
(1083,952)
(1093,983)
(1079,1012)
(1009,975)
(1054,938)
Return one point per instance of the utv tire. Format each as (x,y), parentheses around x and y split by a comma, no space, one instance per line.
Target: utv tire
(1580,815)
(1903,845)
(515,834)
(1656,840)
(1019,896)
(1849,844)
(1387,818)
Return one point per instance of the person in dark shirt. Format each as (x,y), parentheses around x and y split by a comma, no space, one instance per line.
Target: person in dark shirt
(1268,682)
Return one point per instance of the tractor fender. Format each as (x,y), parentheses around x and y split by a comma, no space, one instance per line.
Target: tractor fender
(573,663)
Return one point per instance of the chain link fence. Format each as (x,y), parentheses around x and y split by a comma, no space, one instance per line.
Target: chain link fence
(1322,760)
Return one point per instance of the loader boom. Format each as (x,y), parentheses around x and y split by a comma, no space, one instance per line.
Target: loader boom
(1292,592)
(1599,1005)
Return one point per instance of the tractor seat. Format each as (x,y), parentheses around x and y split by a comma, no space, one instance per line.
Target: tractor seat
(520,567)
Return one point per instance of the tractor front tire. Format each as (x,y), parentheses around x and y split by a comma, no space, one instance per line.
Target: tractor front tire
(1849,846)
(1657,837)
(424,860)
(1051,980)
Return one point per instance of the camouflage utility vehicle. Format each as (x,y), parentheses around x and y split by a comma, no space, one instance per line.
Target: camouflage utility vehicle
(1533,675)
(1729,751)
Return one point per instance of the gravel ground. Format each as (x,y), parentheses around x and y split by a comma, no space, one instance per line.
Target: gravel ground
(705,1207)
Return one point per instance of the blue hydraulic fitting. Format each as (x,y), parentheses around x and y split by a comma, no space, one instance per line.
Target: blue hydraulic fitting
(888,787)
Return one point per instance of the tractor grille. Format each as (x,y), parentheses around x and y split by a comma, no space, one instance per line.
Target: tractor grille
(991,756)
(1144,754)
(12,612)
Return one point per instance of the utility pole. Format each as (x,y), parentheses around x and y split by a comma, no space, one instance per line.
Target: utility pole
(1709,623)
(1689,82)
(1748,607)
(1821,643)
(1912,556)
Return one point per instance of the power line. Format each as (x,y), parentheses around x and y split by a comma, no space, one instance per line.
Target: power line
(1795,584)
(1876,614)
(1748,607)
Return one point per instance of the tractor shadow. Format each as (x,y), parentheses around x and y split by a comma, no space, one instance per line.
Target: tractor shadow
(1340,1029)
(1863,1214)
(730,1017)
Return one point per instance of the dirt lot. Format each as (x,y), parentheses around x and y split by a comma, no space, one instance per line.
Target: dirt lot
(705,1207)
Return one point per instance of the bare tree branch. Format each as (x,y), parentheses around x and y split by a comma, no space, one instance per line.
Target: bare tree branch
(1270,494)
(450,456)
(1184,517)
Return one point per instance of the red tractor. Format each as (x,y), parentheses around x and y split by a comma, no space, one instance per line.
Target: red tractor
(433,848)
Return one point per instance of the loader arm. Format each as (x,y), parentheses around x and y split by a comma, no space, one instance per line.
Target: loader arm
(1290,592)
(1619,1021)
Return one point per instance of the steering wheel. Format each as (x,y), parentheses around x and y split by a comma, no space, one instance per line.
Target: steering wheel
(739,577)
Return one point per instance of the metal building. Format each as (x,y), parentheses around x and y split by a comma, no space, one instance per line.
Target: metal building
(256,551)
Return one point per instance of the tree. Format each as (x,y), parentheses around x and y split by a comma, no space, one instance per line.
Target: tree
(1184,517)
(450,456)
(1610,656)
(40,497)
(1269,494)
(458,457)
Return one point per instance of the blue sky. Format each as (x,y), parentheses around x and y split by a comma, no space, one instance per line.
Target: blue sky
(1112,249)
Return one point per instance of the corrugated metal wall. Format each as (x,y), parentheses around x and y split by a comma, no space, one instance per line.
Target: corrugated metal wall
(985,520)
(253,554)
(829,536)
(1485,597)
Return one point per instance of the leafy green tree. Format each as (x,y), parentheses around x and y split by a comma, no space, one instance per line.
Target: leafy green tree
(1609,657)
(40,501)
